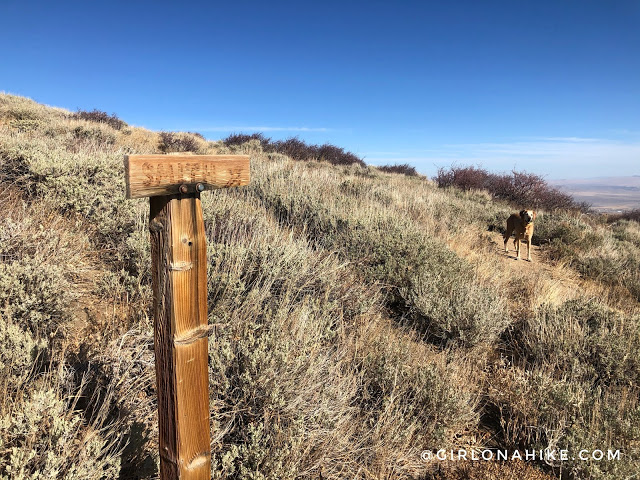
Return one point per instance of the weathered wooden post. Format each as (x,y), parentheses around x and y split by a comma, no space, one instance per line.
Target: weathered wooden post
(179,269)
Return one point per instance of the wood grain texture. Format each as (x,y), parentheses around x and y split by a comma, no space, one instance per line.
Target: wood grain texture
(152,175)
(179,271)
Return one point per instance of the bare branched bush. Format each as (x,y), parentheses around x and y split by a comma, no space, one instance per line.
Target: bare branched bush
(297,149)
(520,188)
(338,156)
(404,169)
(237,139)
(630,215)
(99,116)
(177,142)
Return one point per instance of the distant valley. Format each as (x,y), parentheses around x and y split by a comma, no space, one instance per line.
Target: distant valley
(605,194)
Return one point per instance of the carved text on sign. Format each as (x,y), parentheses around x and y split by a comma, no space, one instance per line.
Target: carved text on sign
(165,173)
(149,175)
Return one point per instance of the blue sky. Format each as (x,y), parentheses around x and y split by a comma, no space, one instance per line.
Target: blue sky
(551,87)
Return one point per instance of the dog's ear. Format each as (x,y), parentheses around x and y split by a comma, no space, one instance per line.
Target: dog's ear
(534,215)
(523,213)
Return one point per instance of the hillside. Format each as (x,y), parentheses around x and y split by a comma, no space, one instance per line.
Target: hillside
(360,318)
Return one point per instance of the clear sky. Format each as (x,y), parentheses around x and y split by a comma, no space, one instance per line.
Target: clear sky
(551,87)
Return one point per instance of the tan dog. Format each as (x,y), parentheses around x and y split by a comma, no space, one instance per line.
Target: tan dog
(521,225)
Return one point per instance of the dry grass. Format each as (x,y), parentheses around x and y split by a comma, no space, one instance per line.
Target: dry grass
(361,318)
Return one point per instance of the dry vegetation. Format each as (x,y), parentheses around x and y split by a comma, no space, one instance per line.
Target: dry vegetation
(361,317)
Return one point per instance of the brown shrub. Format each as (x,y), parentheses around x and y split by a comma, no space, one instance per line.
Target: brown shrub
(521,188)
(404,169)
(99,116)
(629,215)
(177,142)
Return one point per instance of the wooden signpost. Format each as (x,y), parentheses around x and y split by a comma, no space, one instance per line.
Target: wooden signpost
(179,270)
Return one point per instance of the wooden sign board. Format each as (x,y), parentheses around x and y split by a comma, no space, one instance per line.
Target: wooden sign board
(179,278)
(153,175)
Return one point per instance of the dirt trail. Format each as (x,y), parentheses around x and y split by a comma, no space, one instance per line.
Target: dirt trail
(555,281)
(538,263)
(498,240)
(526,285)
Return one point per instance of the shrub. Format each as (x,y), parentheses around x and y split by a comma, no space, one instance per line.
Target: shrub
(288,392)
(37,295)
(338,156)
(629,215)
(95,134)
(24,113)
(585,341)
(404,169)
(520,188)
(281,394)
(435,290)
(464,178)
(561,227)
(237,139)
(455,309)
(197,134)
(296,149)
(18,351)
(537,411)
(576,386)
(26,125)
(627,231)
(177,142)
(36,287)
(43,436)
(88,185)
(413,397)
(609,255)
(99,116)
(425,282)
